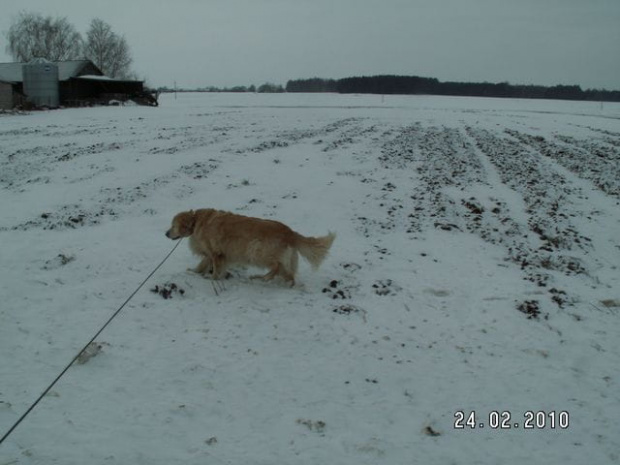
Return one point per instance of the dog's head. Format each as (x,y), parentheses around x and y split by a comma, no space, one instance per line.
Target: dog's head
(182,225)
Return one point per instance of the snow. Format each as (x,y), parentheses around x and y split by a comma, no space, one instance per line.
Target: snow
(451,213)
(96,78)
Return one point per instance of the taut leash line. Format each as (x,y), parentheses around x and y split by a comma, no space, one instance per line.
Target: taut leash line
(114,315)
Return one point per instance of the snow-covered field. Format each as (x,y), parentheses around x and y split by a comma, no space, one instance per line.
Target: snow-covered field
(475,270)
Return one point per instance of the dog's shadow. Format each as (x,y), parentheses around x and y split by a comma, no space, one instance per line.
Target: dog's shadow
(241,278)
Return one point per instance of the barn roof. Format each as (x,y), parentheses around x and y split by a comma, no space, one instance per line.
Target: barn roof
(12,72)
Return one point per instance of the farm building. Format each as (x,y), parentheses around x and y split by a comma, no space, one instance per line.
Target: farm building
(10,96)
(41,83)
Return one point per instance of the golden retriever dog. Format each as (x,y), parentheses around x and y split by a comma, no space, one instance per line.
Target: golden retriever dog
(223,238)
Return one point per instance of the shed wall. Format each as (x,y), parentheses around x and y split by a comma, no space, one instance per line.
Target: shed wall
(6,96)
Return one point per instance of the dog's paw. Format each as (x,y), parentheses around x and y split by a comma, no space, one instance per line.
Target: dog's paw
(204,274)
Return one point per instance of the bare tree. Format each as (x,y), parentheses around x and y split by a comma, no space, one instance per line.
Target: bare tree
(97,45)
(122,62)
(33,35)
(109,51)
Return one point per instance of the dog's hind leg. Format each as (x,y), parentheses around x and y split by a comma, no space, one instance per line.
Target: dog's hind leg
(287,276)
(277,269)
(289,266)
(273,271)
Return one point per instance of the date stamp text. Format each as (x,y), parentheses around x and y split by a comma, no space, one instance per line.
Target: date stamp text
(503,420)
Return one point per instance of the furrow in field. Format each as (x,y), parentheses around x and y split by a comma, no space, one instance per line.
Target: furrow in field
(589,159)
(550,206)
(528,212)
(332,136)
(112,202)
(22,168)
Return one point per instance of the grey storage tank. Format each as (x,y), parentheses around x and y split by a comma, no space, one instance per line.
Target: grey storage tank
(41,83)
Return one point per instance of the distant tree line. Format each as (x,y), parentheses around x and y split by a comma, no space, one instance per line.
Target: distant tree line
(267,88)
(414,85)
(312,85)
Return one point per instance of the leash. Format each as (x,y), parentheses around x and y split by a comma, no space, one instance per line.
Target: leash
(62,373)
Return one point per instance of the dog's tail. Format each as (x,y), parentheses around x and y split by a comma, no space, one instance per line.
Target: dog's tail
(314,249)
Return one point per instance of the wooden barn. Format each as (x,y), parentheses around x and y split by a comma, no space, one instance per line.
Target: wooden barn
(41,83)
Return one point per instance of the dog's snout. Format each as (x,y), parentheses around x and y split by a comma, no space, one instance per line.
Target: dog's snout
(170,235)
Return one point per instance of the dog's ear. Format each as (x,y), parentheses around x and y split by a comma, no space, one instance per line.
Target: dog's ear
(188,223)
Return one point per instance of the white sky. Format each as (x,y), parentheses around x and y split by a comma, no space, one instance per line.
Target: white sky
(241,42)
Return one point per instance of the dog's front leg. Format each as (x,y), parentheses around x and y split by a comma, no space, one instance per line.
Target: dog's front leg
(219,265)
(203,267)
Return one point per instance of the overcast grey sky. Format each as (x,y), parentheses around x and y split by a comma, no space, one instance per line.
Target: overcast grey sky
(243,42)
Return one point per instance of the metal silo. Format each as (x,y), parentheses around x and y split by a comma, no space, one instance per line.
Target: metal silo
(41,83)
